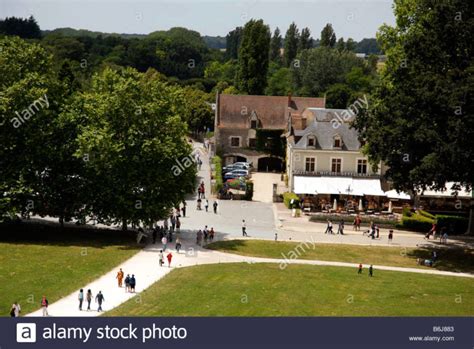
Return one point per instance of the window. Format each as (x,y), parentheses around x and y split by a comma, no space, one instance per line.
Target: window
(336,165)
(337,142)
(252,142)
(310,164)
(361,166)
(253,124)
(311,141)
(235,141)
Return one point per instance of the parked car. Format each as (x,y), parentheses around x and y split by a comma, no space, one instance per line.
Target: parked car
(233,167)
(236,174)
(247,165)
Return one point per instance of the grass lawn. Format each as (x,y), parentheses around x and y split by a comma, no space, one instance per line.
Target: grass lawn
(41,259)
(242,289)
(452,259)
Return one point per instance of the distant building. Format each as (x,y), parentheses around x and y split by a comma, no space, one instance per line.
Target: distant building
(239,119)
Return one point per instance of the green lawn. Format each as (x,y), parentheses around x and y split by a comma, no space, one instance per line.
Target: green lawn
(452,259)
(39,259)
(243,289)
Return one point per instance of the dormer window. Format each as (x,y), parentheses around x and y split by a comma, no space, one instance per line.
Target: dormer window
(311,141)
(253,120)
(337,142)
(253,124)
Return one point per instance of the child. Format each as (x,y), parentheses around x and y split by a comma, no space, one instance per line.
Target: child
(360,269)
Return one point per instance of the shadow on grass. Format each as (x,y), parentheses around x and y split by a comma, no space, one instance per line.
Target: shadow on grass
(34,233)
(230,245)
(455,259)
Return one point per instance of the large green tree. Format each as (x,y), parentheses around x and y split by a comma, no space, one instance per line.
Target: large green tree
(291,44)
(131,137)
(328,36)
(233,40)
(253,58)
(275,46)
(305,41)
(421,118)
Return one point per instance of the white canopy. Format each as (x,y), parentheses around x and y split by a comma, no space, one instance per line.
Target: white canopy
(463,193)
(392,194)
(337,185)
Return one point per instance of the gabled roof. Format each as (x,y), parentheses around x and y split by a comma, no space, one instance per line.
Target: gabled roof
(326,125)
(272,111)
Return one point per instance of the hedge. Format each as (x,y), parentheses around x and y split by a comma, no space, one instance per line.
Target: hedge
(383,223)
(217,161)
(426,214)
(416,222)
(454,224)
(248,190)
(287,197)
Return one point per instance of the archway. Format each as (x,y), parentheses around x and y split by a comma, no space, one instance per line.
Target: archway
(270,164)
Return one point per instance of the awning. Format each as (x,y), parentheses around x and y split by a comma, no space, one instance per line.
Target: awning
(448,193)
(392,194)
(337,185)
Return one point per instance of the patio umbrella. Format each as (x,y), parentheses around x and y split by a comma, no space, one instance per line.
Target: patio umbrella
(390,206)
(360,205)
(334,207)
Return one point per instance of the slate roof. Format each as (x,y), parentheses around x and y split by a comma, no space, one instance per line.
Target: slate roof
(234,111)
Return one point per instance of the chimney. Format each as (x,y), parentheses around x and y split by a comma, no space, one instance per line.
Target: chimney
(289,100)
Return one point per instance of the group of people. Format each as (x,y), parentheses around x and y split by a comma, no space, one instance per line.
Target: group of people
(169,256)
(206,205)
(371,270)
(130,281)
(99,299)
(443,233)
(206,235)
(340,228)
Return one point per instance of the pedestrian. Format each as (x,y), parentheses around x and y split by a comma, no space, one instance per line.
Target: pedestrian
(340,229)
(127,283)
(133,283)
(44,305)
(358,221)
(89,299)
(360,269)
(183,209)
(199,237)
(211,234)
(169,257)
(120,277)
(214,205)
(178,245)
(173,222)
(444,238)
(164,241)
(80,297)
(99,298)
(178,225)
(276,236)
(203,191)
(244,228)
(371,271)
(161,258)
(390,236)
(206,205)
(154,234)
(198,206)
(205,232)
(377,230)
(329,228)
(15,310)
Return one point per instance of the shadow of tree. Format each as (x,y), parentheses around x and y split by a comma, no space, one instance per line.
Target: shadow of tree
(455,259)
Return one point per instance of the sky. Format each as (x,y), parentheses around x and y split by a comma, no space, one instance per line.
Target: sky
(357,19)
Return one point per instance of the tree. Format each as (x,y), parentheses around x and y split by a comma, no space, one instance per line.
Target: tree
(132,142)
(275,46)
(340,45)
(350,45)
(22,27)
(305,40)
(233,40)
(253,58)
(198,115)
(421,120)
(368,46)
(338,96)
(280,83)
(291,44)
(328,37)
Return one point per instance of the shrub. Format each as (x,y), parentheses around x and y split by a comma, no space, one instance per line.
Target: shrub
(417,222)
(426,214)
(217,161)
(407,212)
(287,197)
(453,224)
(381,222)
(248,190)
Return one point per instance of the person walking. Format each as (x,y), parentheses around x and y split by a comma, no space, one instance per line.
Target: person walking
(206,234)
(15,310)
(80,297)
(161,258)
(99,298)
(329,228)
(360,269)
(244,228)
(178,225)
(198,206)
(371,271)
(169,257)
(199,237)
(211,234)
(276,236)
(44,305)
(340,229)
(183,209)
(206,205)
(133,283)
(127,283)
(119,277)
(390,236)
(178,245)
(164,241)
(89,299)
(214,205)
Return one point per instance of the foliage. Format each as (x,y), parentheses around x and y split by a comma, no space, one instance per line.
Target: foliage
(248,190)
(338,96)
(425,214)
(291,44)
(22,27)
(217,173)
(305,41)
(253,58)
(420,121)
(417,222)
(381,222)
(453,224)
(198,113)
(280,83)
(275,46)
(328,36)
(271,142)
(287,197)
(368,46)
(233,40)
(222,72)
